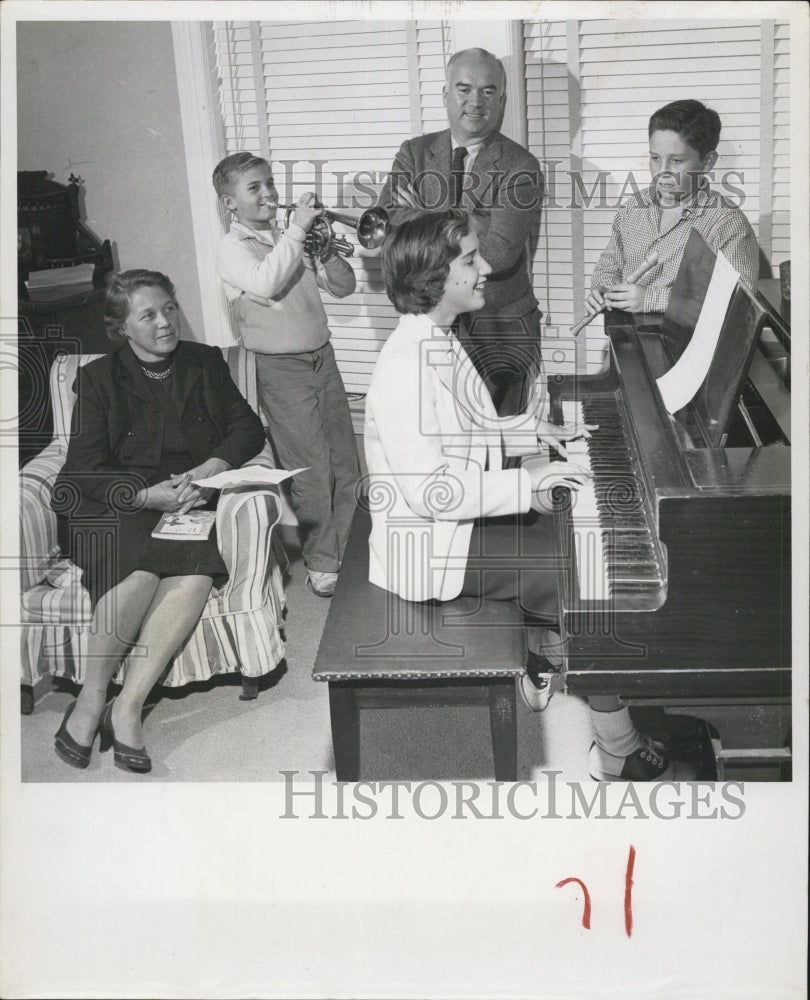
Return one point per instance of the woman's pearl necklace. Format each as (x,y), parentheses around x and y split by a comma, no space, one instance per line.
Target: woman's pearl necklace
(157,376)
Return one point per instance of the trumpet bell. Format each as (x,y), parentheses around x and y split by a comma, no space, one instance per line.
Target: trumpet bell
(372,227)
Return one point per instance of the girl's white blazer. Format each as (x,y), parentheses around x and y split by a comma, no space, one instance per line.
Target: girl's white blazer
(433,443)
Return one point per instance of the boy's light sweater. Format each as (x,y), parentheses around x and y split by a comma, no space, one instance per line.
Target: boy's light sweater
(274,287)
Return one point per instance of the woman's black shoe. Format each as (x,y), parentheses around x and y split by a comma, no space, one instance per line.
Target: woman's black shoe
(67,748)
(125,757)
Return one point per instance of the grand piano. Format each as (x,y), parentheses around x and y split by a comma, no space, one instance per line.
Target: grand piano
(675,563)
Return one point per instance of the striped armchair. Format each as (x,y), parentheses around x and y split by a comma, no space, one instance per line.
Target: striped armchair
(239,630)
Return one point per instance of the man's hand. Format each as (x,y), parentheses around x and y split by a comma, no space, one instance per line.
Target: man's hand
(626,296)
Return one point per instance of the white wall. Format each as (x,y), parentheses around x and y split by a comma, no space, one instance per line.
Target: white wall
(99,99)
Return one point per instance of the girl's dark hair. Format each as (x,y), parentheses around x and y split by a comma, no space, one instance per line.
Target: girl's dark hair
(416,258)
(120,289)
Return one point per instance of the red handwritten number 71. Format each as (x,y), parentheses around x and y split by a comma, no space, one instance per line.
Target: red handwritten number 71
(628,893)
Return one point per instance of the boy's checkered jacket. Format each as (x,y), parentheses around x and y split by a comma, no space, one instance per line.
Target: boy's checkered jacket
(635,235)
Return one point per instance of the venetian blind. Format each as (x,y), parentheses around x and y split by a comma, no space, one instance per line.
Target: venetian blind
(550,136)
(434,40)
(591,88)
(780,191)
(328,104)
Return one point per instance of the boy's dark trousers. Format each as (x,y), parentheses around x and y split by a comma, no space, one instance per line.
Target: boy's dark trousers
(304,402)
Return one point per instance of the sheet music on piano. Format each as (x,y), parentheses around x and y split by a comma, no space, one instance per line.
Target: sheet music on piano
(681,383)
(710,334)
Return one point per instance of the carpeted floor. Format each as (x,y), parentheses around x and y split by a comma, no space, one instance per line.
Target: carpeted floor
(206,733)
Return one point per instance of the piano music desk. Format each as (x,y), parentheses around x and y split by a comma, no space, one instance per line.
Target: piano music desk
(378,651)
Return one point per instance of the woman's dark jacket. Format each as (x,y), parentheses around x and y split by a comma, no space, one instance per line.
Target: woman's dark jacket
(117,426)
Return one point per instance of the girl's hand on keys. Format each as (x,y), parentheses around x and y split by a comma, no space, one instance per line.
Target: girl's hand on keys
(546,476)
(555,435)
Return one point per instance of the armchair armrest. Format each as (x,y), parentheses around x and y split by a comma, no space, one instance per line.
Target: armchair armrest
(245,522)
(38,540)
(287,516)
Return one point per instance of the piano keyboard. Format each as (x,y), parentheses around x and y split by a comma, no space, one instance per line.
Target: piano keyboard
(614,540)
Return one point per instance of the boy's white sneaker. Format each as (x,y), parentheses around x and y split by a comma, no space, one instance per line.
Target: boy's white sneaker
(535,694)
(322,584)
(647,763)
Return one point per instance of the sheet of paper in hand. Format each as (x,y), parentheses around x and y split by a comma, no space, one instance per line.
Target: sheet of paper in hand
(248,475)
(194,525)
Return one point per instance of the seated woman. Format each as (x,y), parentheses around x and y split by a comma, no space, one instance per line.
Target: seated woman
(433,441)
(149,418)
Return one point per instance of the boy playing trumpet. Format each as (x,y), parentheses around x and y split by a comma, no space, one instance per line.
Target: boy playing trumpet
(274,287)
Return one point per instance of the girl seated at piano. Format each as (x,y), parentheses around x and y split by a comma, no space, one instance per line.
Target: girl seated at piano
(453,521)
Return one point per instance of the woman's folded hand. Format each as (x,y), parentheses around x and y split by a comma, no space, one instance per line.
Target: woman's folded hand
(210,467)
(178,494)
(170,496)
(189,495)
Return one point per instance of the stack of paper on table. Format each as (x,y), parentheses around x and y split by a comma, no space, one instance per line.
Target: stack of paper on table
(59,282)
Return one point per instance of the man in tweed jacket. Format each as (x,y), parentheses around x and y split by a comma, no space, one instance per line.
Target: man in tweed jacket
(500,184)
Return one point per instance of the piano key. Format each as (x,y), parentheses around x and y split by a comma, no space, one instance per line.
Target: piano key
(611,530)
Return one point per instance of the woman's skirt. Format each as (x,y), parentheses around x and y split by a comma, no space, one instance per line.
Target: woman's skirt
(108,549)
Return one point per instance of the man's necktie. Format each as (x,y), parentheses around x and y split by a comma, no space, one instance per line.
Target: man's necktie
(457,175)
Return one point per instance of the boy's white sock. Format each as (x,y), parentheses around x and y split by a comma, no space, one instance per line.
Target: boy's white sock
(614,732)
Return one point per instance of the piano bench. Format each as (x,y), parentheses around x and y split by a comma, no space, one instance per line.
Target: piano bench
(378,651)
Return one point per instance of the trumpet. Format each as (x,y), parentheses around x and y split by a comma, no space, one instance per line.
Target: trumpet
(372,227)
